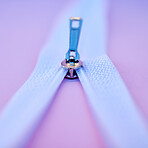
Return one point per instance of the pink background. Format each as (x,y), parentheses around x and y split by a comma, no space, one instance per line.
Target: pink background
(24,26)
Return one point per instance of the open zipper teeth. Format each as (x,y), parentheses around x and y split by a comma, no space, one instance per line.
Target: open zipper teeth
(29,105)
(116,114)
(108,98)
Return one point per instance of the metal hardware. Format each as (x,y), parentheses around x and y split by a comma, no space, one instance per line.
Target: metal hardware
(72,59)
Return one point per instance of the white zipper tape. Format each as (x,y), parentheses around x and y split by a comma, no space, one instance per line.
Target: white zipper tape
(112,106)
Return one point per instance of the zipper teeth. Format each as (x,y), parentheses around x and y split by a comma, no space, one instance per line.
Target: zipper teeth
(30,102)
(91,98)
(116,115)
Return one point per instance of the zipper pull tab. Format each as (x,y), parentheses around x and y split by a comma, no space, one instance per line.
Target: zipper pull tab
(75,28)
(72,59)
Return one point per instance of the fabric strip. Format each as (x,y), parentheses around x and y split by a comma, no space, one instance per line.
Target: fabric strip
(116,114)
(26,108)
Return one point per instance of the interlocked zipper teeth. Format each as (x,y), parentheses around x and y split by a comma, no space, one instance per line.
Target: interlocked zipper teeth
(112,105)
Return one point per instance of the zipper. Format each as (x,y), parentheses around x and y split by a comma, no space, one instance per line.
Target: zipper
(117,116)
(25,110)
(115,113)
(72,58)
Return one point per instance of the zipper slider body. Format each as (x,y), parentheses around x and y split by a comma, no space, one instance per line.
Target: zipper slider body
(72,58)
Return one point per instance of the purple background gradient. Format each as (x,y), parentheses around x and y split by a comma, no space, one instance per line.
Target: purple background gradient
(24,26)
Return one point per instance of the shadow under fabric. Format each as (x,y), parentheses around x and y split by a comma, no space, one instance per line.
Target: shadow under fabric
(121,123)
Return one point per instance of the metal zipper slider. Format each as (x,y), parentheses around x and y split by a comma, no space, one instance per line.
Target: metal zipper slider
(72,59)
